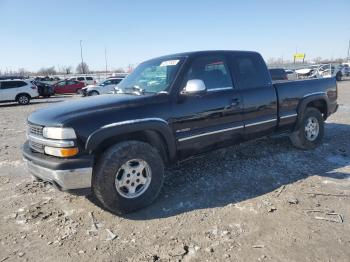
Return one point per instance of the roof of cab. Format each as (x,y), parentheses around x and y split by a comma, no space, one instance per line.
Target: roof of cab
(204,52)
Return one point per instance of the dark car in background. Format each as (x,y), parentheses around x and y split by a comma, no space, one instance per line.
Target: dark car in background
(44,90)
(278,74)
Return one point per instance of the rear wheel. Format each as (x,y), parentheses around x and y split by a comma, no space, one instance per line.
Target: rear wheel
(128,176)
(23,99)
(311,130)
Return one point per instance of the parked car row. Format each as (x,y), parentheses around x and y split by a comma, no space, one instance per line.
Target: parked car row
(323,71)
(23,91)
(104,87)
(312,71)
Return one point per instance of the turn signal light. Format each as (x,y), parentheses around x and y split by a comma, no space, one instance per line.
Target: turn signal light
(61,152)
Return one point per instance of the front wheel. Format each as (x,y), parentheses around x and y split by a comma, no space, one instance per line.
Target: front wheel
(311,130)
(129,176)
(93,93)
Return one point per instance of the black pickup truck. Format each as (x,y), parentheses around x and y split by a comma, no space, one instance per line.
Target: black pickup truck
(167,110)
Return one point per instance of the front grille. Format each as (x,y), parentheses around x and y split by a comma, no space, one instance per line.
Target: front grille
(36,130)
(36,147)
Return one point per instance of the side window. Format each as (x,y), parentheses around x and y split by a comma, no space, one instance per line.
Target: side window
(8,85)
(63,83)
(212,70)
(70,82)
(89,78)
(116,81)
(250,71)
(80,78)
(20,83)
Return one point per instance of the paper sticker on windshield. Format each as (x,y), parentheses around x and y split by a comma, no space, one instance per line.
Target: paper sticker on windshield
(169,63)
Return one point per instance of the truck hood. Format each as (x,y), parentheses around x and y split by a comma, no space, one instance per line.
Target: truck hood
(61,113)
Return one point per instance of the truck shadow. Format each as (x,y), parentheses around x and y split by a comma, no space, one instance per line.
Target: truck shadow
(242,172)
(32,102)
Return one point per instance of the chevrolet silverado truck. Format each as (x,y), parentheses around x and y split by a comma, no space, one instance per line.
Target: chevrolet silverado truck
(167,110)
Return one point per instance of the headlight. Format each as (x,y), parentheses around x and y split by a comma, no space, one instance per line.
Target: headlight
(61,152)
(59,133)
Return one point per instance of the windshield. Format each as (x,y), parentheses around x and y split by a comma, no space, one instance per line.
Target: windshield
(152,76)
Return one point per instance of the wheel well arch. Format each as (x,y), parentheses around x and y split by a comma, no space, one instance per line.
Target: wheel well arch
(320,105)
(152,137)
(91,91)
(319,102)
(22,93)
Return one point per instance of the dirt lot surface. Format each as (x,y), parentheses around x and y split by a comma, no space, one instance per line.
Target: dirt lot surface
(259,201)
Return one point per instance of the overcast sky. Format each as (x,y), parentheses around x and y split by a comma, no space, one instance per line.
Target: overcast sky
(37,34)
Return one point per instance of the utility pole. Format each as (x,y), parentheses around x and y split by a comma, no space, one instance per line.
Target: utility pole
(81,54)
(348,58)
(106,60)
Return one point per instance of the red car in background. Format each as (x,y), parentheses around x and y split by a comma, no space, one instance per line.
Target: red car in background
(68,87)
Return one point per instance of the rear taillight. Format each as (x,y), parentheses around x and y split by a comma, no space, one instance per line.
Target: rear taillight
(34,87)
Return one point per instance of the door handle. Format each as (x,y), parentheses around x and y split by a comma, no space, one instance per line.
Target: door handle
(235,102)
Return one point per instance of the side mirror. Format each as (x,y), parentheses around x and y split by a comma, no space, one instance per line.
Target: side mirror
(194,87)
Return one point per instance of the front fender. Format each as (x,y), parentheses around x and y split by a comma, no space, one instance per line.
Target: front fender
(129,126)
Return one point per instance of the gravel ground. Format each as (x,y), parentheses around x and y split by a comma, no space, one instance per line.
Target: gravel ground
(259,201)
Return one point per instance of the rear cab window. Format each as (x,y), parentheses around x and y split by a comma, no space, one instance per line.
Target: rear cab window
(89,78)
(250,71)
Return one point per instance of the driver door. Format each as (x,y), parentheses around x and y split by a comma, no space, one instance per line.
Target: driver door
(210,119)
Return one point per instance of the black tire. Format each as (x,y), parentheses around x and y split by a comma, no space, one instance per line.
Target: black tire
(93,93)
(338,76)
(23,99)
(299,138)
(105,173)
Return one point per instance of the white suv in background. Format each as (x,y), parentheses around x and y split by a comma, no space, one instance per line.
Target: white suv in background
(105,87)
(88,80)
(17,90)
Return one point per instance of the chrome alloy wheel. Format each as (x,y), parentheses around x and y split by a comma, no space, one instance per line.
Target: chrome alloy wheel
(133,178)
(23,100)
(312,128)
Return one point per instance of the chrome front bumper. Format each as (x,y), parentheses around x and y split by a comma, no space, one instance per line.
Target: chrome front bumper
(64,179)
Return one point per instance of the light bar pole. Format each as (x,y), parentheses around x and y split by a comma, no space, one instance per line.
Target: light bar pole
(81,54)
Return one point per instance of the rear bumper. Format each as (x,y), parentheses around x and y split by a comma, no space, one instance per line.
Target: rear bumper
(65,174)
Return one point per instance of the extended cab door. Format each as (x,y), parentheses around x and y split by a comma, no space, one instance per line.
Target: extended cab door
(210,119)
(258,94)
